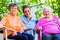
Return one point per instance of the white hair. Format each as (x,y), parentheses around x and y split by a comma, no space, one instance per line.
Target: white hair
(49,8)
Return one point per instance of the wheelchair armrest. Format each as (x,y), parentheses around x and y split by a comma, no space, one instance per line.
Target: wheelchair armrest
(28,29)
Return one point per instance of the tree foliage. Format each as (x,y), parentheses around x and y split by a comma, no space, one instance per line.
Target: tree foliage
(54,4)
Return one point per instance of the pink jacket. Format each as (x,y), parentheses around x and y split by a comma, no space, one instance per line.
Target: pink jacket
(51,26)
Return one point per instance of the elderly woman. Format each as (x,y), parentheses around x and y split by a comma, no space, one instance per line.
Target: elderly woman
(28,21)
(49,25)
(14,24)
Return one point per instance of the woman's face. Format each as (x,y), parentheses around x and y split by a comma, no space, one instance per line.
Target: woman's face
(27,12)
(13,10)
(46,13)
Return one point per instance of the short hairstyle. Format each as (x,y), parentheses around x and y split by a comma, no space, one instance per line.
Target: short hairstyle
(47,7)
(25,6)
(13,5)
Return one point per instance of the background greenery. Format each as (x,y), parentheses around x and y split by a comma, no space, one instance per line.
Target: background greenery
(34,4)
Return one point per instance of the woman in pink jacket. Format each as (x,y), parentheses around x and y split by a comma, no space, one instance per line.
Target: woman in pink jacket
(49,25)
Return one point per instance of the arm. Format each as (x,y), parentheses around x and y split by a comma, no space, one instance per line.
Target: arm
(3,23)
(38,26)
(5,14)
(22,28)
(59,23)
(1,26)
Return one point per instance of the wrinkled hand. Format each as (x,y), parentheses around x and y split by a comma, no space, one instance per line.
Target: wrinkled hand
(1,26)
(21,30)
(38,28)
(14,33)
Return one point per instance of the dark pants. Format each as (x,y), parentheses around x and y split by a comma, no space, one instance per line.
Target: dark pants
(18,37)
(50,36)
(22,36)
(30,36)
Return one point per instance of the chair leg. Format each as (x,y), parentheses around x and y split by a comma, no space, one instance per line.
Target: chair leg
(6,34)
(36,36)
(4,38)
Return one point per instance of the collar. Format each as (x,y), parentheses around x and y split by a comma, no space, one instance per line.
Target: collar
(27,17)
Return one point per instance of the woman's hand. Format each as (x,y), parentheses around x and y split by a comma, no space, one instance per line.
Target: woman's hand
(38,28)
(21,30)
(1,26)
(14,33)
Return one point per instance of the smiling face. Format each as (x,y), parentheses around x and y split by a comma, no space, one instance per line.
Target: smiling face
(13,10)
(27,12)
(47,12)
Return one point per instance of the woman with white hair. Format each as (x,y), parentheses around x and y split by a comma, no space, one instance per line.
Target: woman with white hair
(49,25)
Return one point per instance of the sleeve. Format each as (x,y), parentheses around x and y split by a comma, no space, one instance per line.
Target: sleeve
(3,21)
(59,23)
(39,23)
(22,24)
(58,20)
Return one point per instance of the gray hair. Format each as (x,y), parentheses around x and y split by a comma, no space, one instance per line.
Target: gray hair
(49,8)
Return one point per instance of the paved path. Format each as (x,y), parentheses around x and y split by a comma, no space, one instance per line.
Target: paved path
(1,36)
